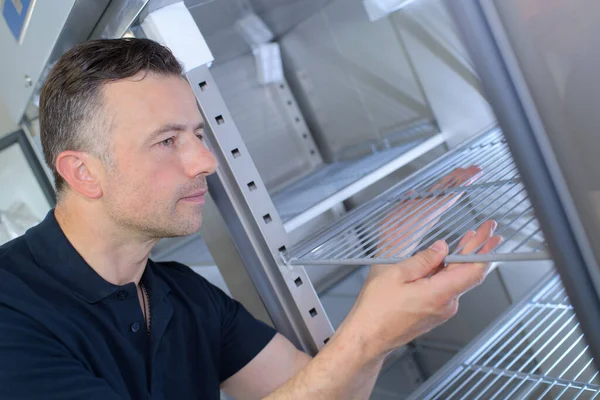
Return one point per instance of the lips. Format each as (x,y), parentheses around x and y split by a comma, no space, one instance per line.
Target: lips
(196,197)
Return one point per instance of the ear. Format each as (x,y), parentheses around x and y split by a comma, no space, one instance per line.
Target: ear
(80,172)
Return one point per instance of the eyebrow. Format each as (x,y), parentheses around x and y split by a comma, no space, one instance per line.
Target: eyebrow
(173,128)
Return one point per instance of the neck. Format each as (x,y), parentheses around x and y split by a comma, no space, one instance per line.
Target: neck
(117,255)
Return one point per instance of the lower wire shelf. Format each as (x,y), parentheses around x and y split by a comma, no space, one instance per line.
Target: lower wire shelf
(442,201)
(536,351)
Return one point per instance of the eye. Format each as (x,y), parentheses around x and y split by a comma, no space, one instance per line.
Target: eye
(168,142)
(200,135)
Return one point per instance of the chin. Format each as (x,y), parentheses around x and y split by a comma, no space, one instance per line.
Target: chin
(176,228)
(188,227)
(164,234)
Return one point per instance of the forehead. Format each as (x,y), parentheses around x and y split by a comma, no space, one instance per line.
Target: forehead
(148,100)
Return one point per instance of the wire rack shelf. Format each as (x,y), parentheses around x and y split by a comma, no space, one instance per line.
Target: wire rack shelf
(539,353)
(331,184)
(454,194)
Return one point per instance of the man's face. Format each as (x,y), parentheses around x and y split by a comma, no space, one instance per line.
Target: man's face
(156,180)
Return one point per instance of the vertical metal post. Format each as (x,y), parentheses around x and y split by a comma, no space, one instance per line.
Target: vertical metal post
(255,228)
(509,94)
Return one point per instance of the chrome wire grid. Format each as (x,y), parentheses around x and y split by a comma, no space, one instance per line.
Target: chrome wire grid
(332,179)
(408,217)
(538,353)
(326,181)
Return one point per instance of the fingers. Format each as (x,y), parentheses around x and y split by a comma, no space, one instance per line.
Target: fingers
(491,244)
(472,174)
(484,232)
(424,263)
(447,180)
(480,241)
(459,176)
(457,279)
(465,239)
(453,282)
(403,226)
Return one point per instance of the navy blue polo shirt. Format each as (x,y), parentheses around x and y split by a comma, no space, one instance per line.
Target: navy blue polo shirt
(66,333)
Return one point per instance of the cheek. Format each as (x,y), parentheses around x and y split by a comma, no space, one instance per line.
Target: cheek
(144,182)
(161,179)
(158,185)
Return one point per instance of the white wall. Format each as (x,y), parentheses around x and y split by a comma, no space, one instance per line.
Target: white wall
(6,123)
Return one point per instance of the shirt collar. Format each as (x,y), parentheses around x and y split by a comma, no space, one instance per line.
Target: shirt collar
(53,251)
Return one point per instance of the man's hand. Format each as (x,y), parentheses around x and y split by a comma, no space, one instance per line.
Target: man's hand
(402,301)
(402,229)
(397,303)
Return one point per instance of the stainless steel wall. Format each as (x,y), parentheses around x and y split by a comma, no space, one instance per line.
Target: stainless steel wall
(352,77)
(444,69)
(216,20)
(283,15)
(271,129)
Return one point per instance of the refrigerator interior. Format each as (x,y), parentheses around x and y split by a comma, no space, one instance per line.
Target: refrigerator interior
(348,132)
(368,118)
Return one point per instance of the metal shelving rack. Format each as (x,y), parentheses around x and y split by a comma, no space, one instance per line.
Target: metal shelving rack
(536,351)
(334,183)
(420,209)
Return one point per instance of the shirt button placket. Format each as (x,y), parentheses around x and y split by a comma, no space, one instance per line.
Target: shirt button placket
(122,295)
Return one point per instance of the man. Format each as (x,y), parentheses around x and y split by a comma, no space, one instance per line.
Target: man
(84,314)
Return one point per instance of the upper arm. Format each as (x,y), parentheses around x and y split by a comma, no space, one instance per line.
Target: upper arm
(35,365)
(254,359)
(239,336)
(270,369)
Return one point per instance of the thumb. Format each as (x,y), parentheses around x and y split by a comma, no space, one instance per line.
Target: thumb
(425,262)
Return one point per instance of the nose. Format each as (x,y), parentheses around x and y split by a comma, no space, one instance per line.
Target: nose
(200,160)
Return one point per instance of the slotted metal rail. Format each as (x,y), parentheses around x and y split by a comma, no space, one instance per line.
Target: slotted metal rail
(425,207)
(538,352)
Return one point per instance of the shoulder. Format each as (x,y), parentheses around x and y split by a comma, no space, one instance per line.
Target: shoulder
(16,261)
(22,283)
(14,252)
